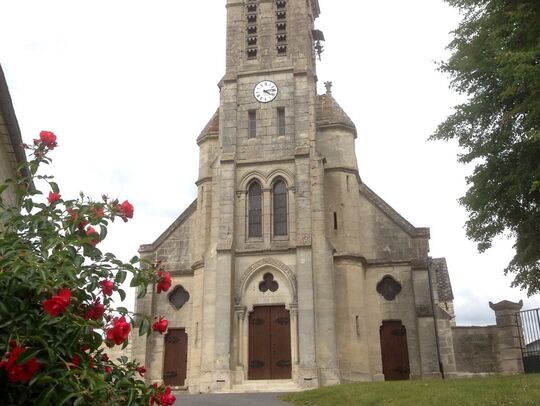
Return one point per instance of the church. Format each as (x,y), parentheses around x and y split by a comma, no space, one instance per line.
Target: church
(288,271)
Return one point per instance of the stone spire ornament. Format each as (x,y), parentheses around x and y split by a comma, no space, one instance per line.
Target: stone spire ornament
(328,86)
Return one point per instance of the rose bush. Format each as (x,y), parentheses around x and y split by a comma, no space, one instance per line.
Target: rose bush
(57,305)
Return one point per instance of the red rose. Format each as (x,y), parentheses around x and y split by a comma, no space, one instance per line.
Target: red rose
(108,369)
(126,210)
(164,283)
(22,372)
(48,138)
(53,197)
(95,312)
(161,325)
(75,217)
(107,287)
(94,236)
(119,331)
(104,357)
(141,370)
(164,398)
(76,360)
(98,212)
(58,303)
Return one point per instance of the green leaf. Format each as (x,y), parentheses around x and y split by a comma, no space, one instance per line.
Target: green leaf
(54,187)
(64,399)
(28,205)
(122,294)
(142,291)
(103,232)
(120,277)
(144,327)
(122,310)
(26,356)
(136,281)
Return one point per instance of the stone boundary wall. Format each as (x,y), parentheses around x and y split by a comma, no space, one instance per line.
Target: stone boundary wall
(475,349)
(490,349)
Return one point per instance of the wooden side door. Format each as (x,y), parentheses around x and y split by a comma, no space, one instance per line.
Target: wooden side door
(394,351)
(175,362)
(259,364)
(281,342)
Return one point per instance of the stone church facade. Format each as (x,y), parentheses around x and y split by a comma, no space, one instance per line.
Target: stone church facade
(287,268)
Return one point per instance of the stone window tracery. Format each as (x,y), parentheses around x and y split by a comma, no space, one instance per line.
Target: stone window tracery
(388,288)
(268,283)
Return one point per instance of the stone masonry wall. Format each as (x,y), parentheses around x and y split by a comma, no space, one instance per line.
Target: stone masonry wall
(475,349)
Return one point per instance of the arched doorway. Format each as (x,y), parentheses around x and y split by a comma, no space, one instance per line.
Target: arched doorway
(267,337)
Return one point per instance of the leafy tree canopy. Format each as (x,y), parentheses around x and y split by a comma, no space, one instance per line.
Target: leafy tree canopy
(495,62)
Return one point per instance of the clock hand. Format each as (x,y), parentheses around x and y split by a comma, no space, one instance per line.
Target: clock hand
(268,92)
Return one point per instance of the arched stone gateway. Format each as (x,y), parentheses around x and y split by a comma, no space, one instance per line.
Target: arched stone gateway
(267,337)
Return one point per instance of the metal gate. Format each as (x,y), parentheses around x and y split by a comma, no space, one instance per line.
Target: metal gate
(529,320)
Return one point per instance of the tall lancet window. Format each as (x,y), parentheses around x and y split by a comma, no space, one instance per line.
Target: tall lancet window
(279,195)
(255,210)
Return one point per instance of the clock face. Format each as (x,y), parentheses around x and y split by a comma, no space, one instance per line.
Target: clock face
(265,91)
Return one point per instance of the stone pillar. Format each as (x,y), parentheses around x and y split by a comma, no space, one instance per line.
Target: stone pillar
(240,316)
(509,355)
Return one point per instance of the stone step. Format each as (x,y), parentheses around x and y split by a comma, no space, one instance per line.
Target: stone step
(271,385)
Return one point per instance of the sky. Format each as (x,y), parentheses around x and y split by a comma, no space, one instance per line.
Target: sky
(127,86)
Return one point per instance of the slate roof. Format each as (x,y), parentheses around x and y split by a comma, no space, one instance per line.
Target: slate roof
(444,286)
(329,113)
(212,127)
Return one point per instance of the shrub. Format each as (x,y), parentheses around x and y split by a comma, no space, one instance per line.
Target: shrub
(57,312)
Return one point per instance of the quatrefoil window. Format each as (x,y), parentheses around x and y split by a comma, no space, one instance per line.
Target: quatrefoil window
(268,283)
(388,288)
(178,297)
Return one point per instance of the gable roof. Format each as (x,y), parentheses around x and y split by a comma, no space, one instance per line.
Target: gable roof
(183,217)
(377,201)
(10,130)
(444,286)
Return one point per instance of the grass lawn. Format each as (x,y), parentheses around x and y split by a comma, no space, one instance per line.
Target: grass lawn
(497,390)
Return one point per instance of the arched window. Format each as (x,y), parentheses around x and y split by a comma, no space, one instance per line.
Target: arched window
(255,210)
(279,195)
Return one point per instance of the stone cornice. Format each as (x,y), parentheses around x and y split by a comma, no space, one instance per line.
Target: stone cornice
(203,180)
(352,171)
(265,162)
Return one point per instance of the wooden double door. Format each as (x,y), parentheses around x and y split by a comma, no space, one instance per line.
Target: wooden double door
(394,351)
(269,343)
(175,362)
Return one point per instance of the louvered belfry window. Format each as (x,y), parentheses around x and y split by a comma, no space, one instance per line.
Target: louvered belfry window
(280,208)
(255,210)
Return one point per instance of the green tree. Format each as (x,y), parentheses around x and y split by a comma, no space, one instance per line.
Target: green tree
(495,63)
(57,305)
